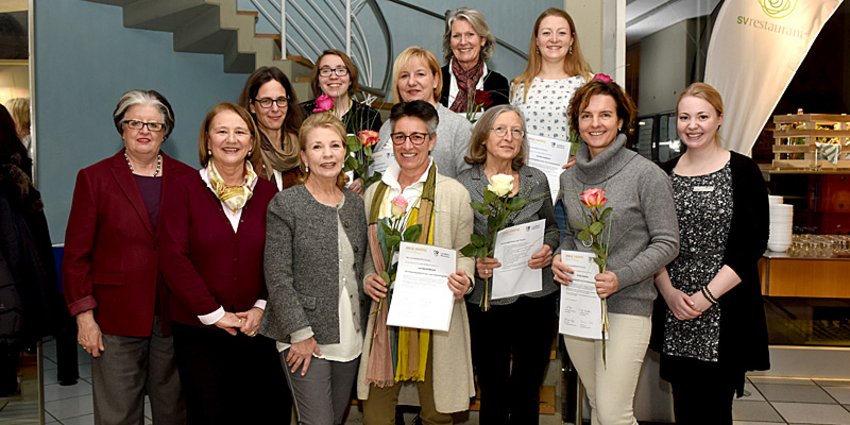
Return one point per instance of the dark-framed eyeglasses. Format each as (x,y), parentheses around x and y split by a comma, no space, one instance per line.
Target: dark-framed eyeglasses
(151,125)
(326,71)
(415,138)
(266,102)
(501,131)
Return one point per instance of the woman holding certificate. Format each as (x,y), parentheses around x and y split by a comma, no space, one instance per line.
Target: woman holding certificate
(642,237)
(512,340)
(436,364)
(711,328)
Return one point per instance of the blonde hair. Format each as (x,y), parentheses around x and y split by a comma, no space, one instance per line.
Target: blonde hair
(707,93)
(477,22)
(320,120)
(204,154)
(409,54)
(19,108)
(574,63)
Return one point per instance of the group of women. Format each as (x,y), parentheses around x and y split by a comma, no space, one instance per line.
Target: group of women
(213,290)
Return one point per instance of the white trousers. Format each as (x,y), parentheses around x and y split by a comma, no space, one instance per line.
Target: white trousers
(611,389)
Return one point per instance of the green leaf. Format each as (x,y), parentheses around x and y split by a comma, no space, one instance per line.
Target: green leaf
(584,235)
(605,213)
(489,197)
(393,240)
(469,250)
(412,233)
(478,240)
(352,144)
(479,207)
(596,228)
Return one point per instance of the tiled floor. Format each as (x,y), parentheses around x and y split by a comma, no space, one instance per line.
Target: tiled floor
(770,400)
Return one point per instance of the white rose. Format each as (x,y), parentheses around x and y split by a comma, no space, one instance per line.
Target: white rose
(501,184)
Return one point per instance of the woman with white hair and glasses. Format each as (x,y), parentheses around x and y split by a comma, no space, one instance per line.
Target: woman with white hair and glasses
(111,272)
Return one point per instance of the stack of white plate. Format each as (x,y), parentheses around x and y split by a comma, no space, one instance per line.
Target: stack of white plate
(774,199)
(781,219)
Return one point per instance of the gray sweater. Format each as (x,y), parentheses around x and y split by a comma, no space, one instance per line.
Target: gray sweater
(302,262)
(645,233)
(532,186)
(452,146)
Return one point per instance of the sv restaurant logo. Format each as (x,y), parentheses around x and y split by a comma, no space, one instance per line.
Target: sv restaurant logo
(777,8)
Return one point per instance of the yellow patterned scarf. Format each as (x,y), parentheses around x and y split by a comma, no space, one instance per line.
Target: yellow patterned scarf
(399,354)
(235,197)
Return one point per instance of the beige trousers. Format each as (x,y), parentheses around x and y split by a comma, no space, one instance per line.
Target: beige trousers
(611,389)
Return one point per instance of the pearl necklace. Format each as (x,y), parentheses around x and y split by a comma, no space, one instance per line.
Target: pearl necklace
(155,171)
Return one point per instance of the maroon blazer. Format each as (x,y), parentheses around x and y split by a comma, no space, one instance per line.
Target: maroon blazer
(205,263)
(110,262)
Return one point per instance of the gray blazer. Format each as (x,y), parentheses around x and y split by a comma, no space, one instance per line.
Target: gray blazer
(302,262)
(532,186)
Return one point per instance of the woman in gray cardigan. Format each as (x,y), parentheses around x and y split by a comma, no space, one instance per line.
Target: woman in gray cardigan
(644,238)
(511,341)
(315,246)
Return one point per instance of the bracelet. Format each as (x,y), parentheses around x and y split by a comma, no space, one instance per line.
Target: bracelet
(708,295)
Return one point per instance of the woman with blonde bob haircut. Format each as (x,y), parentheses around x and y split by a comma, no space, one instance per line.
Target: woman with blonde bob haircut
(467,46)
(315,248)
(417,76)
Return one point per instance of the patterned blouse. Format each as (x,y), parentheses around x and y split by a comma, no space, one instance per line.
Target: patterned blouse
(547,104)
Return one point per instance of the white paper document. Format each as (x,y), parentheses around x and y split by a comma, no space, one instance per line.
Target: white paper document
(421,296)
(514,247)
(381,160)
(549,156)
(581,307)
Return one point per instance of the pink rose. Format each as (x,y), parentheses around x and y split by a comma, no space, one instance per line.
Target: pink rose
(324,103)
(399,206)
(367,137)
(605,78)
(593,198)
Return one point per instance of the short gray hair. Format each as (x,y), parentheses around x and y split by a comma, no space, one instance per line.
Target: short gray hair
(476,19)
(144,97)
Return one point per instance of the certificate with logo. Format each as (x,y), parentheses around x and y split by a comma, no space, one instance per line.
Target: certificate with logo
(514,247)
(421,297)
(581,307)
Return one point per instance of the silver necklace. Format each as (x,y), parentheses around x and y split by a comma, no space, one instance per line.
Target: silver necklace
(155,171)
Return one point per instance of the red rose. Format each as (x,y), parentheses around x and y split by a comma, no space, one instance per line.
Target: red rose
(593,197)
(483,98)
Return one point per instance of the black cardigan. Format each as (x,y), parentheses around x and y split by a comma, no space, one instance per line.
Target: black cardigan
(743,328)
(494,83)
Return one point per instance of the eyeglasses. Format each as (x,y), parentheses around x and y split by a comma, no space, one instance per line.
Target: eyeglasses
(502,131)
(326,71)
(151,125)
(266,102)
(415,138)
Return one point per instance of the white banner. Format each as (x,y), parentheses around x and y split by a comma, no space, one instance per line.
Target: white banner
(756,47)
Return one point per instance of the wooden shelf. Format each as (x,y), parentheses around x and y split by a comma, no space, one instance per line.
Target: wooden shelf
(805,277)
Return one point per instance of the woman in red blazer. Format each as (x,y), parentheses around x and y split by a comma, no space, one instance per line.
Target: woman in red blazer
(110,270)
(211,252)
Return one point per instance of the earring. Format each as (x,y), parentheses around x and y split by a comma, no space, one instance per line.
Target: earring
(306,169)
(250,154)
(537,50)
(571,50)
(209,152)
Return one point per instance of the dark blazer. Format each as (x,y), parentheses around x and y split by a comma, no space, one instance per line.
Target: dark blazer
(302,271)
(743,328)
(110,262)
(494,83)
(205,263)
(532,186)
